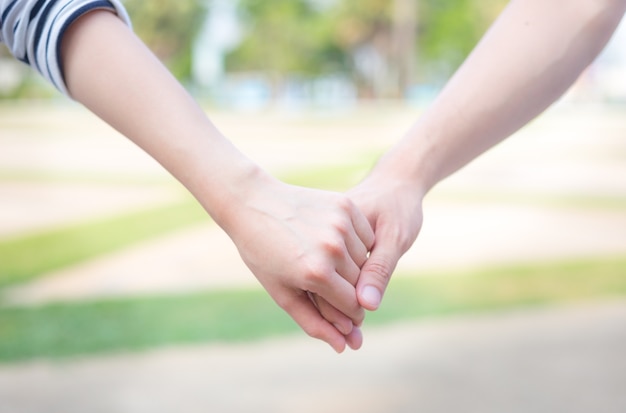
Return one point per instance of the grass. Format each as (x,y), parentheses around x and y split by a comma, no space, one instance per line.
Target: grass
(24,258)
(138,323)
(503,287)
(133,324)
(331,177)
(580,202)
(27,257)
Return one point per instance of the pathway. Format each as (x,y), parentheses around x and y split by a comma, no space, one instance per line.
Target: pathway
(568,359)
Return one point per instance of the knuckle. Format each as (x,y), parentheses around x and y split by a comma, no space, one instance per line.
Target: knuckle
(315,274)
(379,269)
(333,246)
(343,203)
(342,226)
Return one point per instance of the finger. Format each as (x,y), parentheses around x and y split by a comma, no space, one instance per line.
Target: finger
(305,314)
(346,248)
(337,291)
(353,334)
(347,268)
(332,315)
(376,273)
(362,227)
(354,340)
(355,247)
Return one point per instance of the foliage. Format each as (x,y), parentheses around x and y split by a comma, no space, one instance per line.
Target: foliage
(359,21)
(292,36)
(444,31)
(366,25)
(284,37)
(169,28)
(449,29)
(300,38)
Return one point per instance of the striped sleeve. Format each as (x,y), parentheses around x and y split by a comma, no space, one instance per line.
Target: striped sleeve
(33,29)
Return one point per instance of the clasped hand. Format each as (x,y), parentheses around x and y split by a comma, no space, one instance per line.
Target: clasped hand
(310,249)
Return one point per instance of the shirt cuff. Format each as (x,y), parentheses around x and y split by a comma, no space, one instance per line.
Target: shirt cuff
(33,30)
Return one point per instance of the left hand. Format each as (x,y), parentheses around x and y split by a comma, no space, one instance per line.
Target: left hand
(302,243)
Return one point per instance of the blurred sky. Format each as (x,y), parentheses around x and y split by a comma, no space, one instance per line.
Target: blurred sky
(610,68)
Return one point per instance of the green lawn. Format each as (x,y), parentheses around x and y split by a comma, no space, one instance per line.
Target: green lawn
(26,257)
(133,324)
(70,329)
(29,256)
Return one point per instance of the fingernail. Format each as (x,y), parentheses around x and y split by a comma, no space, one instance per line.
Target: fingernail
(371,296)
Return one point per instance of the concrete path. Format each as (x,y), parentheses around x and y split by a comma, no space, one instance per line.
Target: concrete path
(33,207)
(568,359)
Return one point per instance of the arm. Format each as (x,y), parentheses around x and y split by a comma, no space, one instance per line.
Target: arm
(293,239)
(528,58)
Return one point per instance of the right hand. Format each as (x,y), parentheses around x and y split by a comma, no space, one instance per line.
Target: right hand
(394,210)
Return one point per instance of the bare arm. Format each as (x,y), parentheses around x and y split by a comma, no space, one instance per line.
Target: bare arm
(527,60)
(293,239)
(529,57)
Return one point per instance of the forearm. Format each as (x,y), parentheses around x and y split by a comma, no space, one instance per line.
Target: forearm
(527,60)
(530,56)
(296,241)
(113,74)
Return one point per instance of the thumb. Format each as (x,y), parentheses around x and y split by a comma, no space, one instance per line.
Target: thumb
(375,275)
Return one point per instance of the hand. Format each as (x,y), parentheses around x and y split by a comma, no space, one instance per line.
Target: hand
(306,247)
(353,338)
(394,210)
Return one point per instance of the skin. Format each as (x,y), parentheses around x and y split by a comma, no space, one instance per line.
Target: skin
(530,56)
(319,240)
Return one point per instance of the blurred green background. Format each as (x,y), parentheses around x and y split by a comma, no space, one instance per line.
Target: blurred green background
(288,48)
(315,90)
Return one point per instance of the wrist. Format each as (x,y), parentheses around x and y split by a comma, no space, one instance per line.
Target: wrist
(408,165)
(226,194)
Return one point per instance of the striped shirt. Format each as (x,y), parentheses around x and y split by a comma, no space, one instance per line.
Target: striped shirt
(33,29)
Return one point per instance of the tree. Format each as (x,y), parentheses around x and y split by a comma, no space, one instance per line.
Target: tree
(392,43)
(386,46)
(363,30)
(449,30)
(284,37)
(169,28)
